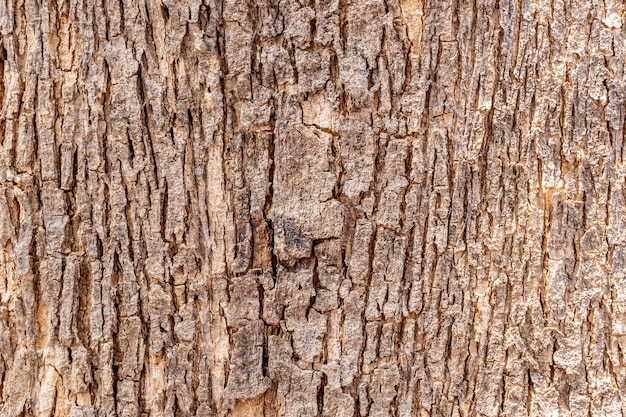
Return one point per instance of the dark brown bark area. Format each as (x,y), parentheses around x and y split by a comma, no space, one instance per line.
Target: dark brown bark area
(312,208)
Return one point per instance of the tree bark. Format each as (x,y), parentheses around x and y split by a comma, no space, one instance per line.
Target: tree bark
(327,208)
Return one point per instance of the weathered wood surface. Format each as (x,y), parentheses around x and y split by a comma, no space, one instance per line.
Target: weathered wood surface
(312,208)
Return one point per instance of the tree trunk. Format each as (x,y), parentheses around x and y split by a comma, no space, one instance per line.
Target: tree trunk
(327,208)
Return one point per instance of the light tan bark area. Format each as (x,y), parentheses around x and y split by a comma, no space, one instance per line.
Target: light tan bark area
(324,208)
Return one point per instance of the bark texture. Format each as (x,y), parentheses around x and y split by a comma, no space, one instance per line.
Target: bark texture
(312,208)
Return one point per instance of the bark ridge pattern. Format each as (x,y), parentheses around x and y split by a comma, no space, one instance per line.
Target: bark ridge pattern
(312,208)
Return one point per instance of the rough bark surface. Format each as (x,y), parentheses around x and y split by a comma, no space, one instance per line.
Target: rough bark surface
(312,208)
